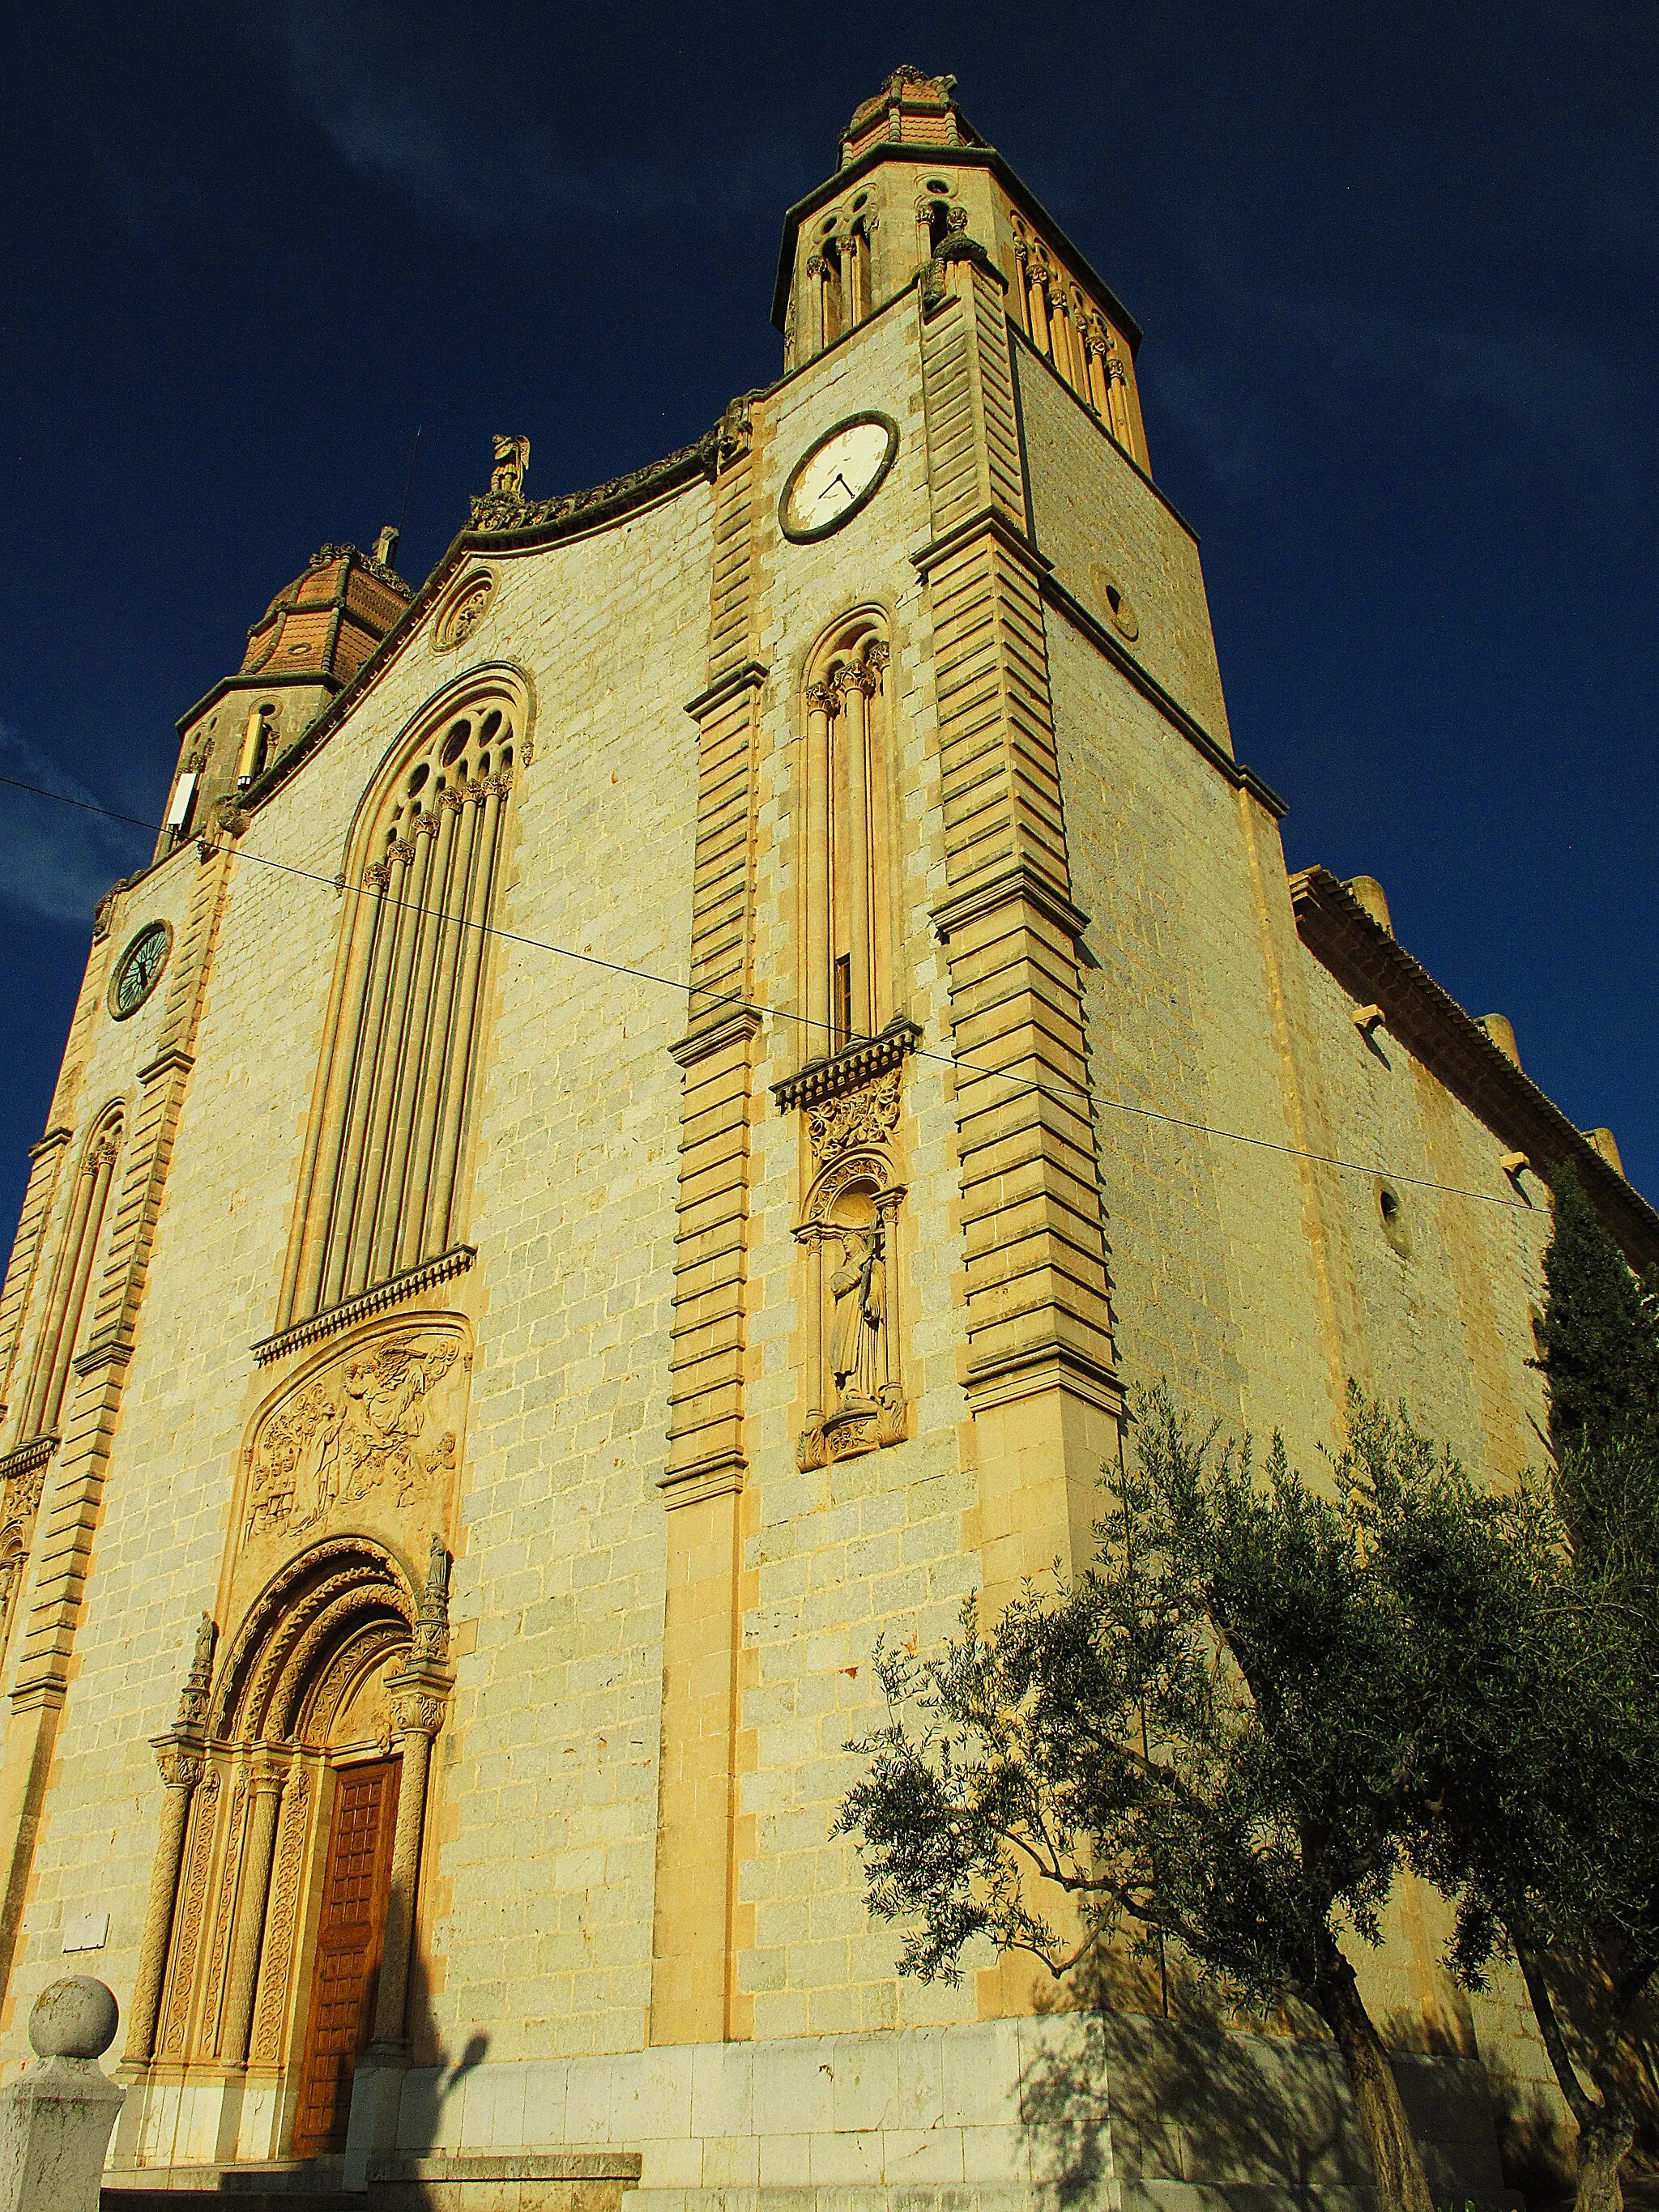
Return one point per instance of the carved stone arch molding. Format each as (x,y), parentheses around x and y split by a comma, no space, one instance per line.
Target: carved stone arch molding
(501,684)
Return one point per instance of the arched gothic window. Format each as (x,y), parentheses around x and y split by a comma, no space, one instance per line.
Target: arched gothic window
(43,1403)
(379,1184)
(846,938)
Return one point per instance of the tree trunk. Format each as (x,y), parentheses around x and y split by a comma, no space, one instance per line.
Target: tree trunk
(1602,2142)
(1605,2128)
(1401,2184)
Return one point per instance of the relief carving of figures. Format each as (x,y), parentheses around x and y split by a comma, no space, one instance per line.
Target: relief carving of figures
(376,1423)
(866,1116)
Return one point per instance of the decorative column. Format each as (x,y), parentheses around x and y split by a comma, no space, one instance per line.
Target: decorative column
(179,1755)
(269,1781)
(419,1693)
(420,1696)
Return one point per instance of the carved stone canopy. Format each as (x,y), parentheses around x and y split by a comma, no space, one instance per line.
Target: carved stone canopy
(853,1066)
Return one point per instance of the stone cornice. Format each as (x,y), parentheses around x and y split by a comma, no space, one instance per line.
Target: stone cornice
(24,1458)
(51,1142)
(1376,969)
(408,1285)
(504,525)
(1022,881)
(741,1022)
(720,1475)
(857,1063)
(1105,642)
(989,522)
(1043,1367)
(748,676)
(173,1062)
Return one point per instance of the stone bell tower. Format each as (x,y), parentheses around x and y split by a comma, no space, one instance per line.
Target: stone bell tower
(915,183)
(308,644)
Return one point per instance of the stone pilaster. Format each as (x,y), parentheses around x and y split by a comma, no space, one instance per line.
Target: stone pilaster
(1040,1367)
(693,1998)
(70,1512)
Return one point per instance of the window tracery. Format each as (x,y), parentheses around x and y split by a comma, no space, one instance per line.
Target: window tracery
(379,1188)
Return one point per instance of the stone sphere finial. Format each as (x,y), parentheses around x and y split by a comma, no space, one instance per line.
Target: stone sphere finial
(74,2019)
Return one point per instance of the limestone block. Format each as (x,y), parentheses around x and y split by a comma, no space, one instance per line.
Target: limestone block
(55,2120)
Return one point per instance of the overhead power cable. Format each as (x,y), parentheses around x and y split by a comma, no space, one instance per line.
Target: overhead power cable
(1053,1087)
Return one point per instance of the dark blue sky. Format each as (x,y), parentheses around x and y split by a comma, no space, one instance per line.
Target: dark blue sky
(1396,268)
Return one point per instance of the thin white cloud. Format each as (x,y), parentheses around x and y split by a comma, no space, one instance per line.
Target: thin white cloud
(57,863)
(417,100)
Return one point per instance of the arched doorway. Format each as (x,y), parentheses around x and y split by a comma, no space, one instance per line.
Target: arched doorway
(276,1946)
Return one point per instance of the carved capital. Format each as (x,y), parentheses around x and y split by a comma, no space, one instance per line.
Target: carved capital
(854,677)
(376,876)
(180,1763)
(878,653)
(825,696)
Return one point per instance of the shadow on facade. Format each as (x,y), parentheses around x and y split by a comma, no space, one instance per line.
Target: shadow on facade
(1145,2100)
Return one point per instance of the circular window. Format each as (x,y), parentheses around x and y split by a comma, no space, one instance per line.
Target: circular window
(464,609)
(139,969)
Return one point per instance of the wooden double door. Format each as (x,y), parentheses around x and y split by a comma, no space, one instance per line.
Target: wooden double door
(350,1933)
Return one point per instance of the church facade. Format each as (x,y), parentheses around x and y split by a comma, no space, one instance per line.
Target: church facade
(658,1091)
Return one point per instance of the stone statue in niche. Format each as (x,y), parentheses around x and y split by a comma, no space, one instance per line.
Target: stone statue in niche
(859,1288)
(857,1391)
(363,1427)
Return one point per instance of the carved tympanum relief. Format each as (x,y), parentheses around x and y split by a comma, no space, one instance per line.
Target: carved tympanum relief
(368,1437)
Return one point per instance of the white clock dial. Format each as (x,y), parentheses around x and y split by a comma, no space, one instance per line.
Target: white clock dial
(829,484)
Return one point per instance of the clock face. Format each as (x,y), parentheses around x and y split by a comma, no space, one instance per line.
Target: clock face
(138,968)
(836,478)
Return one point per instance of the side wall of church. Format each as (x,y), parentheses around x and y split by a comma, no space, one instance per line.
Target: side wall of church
(1254,1282)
